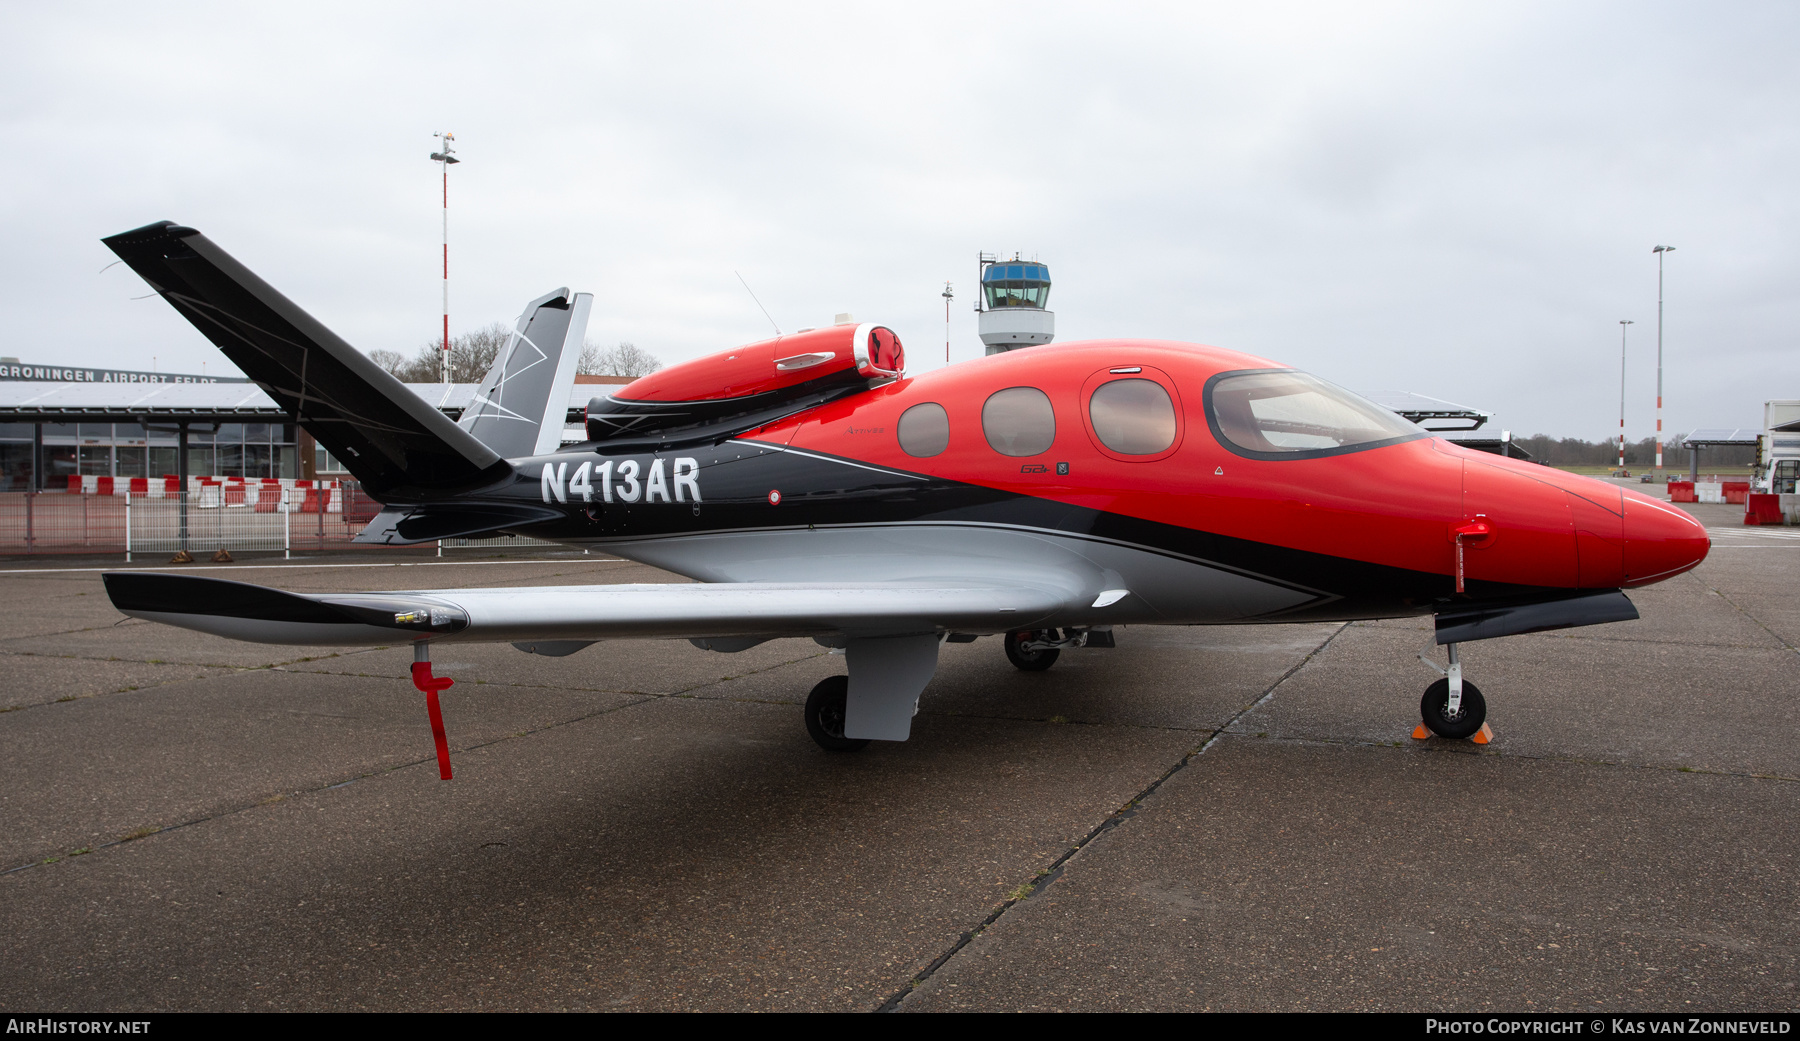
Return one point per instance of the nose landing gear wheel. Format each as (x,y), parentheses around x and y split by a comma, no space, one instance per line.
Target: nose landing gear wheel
(1030,661)
(1435,705)
(825,715)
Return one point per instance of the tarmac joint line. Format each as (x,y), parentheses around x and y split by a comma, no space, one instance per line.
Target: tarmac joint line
(148,830)
(145,831)
(1754,620)
(1048,875)
(277,667)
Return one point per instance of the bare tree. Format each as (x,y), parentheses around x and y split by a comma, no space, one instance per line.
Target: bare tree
(1573,451)
(627,359)
(471,355)
(391,361)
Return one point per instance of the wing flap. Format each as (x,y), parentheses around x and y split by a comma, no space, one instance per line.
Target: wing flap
(577,613)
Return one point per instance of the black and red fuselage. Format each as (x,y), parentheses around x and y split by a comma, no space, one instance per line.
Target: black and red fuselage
(724,470)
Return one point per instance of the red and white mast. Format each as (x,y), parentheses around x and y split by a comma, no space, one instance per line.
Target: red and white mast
(1623,322)
(444,158)
(1660,251)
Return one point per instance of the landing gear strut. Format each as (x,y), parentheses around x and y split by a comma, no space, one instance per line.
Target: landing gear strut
(825,715)
(1025,650)
(1035,650)
(1452,707)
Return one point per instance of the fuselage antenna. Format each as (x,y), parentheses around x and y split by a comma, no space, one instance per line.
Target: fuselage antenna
(759,305)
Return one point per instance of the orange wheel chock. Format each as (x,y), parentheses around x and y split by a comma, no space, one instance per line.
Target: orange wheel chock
(1482,736)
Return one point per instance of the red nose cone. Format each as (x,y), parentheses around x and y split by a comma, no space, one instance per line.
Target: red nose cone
(1661,541)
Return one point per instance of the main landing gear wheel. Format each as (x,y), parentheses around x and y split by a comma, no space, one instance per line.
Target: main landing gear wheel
(1434,710)
(1030,661)
(825,715)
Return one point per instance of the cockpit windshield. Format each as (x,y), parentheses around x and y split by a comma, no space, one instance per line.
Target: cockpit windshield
(1289,413)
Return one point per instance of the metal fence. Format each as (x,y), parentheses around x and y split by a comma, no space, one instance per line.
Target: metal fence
(171,524)
(54,522)
(202,522)
(297,519)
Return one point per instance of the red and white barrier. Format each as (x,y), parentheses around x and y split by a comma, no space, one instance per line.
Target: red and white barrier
(1709,491)
(1771,508)
(261,495)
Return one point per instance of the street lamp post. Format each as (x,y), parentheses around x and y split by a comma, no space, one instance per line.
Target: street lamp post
(444,159)
(948,296)
(1623,322)
(1659,251)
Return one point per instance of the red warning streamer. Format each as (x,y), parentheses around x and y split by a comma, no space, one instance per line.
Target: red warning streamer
(425,681)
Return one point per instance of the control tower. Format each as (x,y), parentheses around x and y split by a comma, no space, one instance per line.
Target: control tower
(1012,304)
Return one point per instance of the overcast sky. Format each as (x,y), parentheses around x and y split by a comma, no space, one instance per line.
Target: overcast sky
(1454,199)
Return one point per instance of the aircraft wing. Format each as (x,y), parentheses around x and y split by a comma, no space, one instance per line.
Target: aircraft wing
(727,612)
(890,632)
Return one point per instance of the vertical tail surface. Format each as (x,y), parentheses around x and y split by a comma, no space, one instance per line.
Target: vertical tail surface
(394,442)
(522,403)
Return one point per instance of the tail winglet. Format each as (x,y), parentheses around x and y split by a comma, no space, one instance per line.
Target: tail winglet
(393,441)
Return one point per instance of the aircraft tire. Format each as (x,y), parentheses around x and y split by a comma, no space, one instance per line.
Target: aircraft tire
(825,715)
(1030,661)
(1467,721)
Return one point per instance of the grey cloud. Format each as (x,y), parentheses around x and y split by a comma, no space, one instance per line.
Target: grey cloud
(1456,200)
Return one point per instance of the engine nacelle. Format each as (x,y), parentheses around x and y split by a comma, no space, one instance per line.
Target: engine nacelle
(748,386)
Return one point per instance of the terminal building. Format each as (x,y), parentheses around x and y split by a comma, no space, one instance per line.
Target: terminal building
(53,430)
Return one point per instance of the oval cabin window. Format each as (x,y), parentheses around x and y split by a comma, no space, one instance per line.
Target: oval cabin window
(1133,417)
(1018,421)
(924,430)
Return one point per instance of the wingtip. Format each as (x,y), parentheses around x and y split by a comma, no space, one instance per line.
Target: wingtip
(162,229)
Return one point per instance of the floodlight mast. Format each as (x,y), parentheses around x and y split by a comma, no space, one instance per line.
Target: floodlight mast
(444,158)
(1623,322)
(1660,251)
